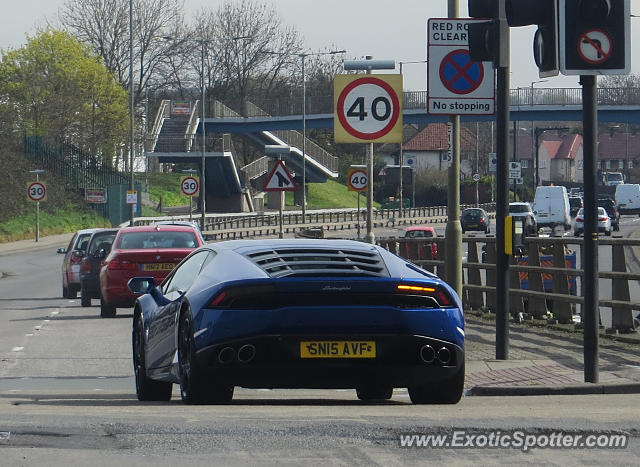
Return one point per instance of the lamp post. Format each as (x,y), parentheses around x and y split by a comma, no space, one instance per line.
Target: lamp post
(533,137)
(402,141)
(203,190)
(131,133)
(303,56)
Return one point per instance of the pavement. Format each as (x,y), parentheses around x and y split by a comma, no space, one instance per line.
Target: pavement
(542,360)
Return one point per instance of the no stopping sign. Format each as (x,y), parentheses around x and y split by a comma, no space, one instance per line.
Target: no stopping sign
(368,108)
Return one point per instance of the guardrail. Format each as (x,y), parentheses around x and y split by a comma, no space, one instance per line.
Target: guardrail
(479,277)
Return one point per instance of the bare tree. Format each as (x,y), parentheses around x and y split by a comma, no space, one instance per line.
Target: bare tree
(243,31)
(104,24)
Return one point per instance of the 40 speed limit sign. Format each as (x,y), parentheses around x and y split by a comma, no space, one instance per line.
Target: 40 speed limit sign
(36,191)
(190,186)
(357,179)
(367,108)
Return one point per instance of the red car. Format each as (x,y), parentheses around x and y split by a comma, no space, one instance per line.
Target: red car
(423,231)
(152,250)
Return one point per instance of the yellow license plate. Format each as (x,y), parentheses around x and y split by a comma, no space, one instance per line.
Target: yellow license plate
(337,349)
(158,266)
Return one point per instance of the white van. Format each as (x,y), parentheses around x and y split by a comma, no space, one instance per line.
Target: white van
(551,207)
(628,198)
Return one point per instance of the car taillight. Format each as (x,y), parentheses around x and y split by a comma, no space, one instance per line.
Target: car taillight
(85,267)
(482,221)
(116,264)
(579,219)
(434,250)
(440,295)
(602,219)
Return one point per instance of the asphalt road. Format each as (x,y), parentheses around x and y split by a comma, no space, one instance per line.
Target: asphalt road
(67,396)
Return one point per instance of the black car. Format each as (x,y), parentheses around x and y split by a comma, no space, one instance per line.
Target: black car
(611,207)
(97,249)
(475,219)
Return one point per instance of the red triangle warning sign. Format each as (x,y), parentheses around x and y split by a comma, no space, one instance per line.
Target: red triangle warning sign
(279,179)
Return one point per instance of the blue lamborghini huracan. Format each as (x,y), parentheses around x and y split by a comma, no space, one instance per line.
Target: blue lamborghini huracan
(297,314)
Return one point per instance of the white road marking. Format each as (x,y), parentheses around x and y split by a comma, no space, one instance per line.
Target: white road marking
(17,349)
(29,335)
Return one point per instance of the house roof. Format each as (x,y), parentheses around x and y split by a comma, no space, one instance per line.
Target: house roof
(434,138)
(617,147)
(569,147)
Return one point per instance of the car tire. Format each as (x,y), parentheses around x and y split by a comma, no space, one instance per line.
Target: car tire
(616,227)
(65,292)
(106,310)
(445,392)
(194,389)
(146,388)
(607,232)
(374,393)
(85,298)
(72,292)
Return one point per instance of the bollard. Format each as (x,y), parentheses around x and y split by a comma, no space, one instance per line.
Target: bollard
(474,297)
(537,307)
(516,304)
(490,258)
(622,317)
(561,310)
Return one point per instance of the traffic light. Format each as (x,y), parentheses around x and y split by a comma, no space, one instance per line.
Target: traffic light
(543,13)
(595,37)
(489,40)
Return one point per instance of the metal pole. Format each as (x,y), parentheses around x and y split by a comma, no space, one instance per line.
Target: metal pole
(453,230)
(131,134)
(37,215)
(590,259)
(304,142)
(281,232)
(537,133)
(502,201)
(370,236)
(401,157)
(477,163)
(203,196)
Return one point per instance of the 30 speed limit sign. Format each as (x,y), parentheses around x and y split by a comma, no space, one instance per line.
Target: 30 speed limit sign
(190,186)
(36,191)
(357,179)
(367,108)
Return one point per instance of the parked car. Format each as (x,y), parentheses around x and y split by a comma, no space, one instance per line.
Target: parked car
(611,207)
(301,313)
(152,250)
(474,219)
(604,222)
(551,207)
(524,211)
(73,255)
(98,248)
(628,198)
(575,203)
(423,231)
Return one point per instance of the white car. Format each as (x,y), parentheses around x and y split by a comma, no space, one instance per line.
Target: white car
(524,211)
(604,222)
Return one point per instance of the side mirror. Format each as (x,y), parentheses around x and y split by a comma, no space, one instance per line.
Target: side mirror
(141,285)
(101,253)
(78,253)
(61,251)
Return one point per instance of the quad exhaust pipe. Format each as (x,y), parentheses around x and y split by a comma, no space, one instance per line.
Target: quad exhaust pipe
(226,355)
(246,353)
(429,355)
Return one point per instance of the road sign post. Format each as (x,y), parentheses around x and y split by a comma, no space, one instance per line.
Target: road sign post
(357,180)
(190,186)
(279,180)
(368,109)
(37,191)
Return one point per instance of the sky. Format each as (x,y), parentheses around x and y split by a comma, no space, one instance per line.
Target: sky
(380,28)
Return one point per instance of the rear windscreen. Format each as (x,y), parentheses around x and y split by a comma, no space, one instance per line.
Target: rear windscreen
(150,240)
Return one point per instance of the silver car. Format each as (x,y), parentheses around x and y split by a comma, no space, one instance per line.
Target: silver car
(524,211)
(604,222)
